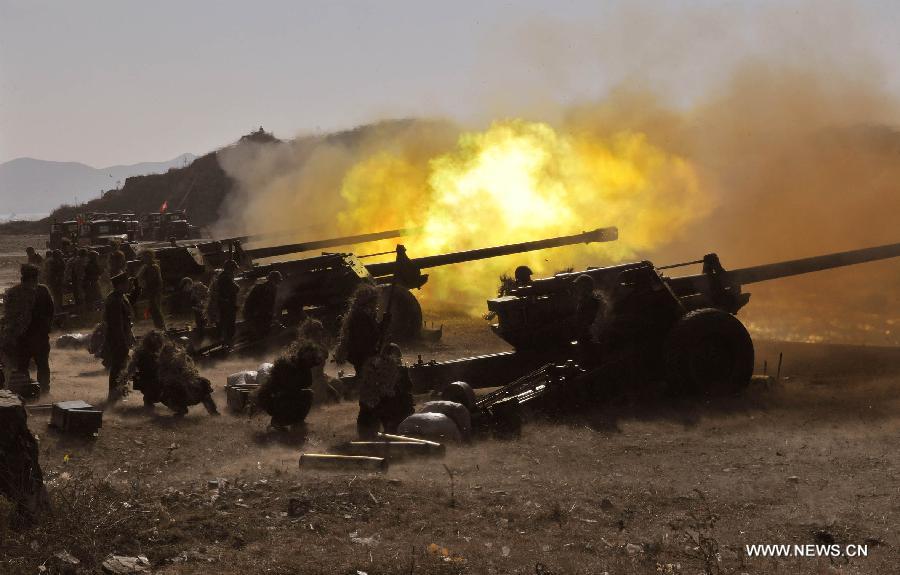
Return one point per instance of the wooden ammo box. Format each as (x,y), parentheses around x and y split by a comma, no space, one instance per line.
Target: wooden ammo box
(238,397)
(76,417)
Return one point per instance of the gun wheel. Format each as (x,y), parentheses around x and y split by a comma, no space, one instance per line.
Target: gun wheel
(406,313)
(708,351)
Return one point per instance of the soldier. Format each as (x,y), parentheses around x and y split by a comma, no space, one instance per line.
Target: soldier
(358,340)
(150,281)
(227,301)
(385,393)
(259,307)
(67,248)
(143,367)
(28,315)
(286,395)
(91,283)
(117,262)
(56,278)
(117,335)
(523,276)
(586,308)
(180,384)
(324,387)
(75,276)
(199,295)
(34,258)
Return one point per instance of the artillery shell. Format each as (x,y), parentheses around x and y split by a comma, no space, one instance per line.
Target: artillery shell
(392,449)
(405,438)
(350,462)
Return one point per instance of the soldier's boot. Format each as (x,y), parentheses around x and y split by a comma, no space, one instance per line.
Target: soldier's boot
(210,405)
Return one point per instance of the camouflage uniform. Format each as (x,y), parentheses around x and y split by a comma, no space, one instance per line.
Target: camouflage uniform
(55,273)
(150,279)
(91,282)
(226,304)
(259,308)
(117,338)
(385,394)
(25,333)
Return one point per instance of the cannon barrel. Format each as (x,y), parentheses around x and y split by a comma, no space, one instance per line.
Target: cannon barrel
(273,251)
(599,235)
(814,264)
(766,272)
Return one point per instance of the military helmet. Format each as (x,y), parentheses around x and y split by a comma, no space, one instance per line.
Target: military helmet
(523,274)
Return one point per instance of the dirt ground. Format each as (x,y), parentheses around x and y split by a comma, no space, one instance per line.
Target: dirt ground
(650,486)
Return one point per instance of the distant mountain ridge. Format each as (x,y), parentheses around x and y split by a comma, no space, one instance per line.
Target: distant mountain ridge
(28,185)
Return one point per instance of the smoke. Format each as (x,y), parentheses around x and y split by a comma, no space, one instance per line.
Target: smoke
(761,136)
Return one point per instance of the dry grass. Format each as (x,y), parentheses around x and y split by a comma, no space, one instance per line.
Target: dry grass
(640,485)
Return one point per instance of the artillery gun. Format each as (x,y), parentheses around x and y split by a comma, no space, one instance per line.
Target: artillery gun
(320,286)
(681,330)
(198,260)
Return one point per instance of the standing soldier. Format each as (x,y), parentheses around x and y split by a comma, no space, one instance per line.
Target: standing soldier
(117,262)
(385,393)
(34,258)
(56,278)
(259,308)
(117,337)
(75,275)
(150,280)
(199,295)
(586,309)
(523,276)
(227,301)
(359,330)
(92,272)
(28,315)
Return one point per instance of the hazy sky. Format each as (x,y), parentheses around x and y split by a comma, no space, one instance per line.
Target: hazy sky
(126,81)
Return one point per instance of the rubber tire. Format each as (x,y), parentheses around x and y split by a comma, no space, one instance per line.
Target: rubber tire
(406,314)
(696,343)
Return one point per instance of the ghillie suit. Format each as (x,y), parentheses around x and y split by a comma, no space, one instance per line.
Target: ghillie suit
(18,304)
(385,393)
(360,332)
(286,395)
(324,387)
(143,367)
(180,383)
(25,327)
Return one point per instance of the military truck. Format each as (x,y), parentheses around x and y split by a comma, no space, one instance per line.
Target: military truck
(58,230)
(679,330)
(163,226)
(102,232)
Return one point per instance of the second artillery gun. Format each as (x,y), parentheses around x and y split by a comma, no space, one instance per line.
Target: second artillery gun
(651,327)
(320,286)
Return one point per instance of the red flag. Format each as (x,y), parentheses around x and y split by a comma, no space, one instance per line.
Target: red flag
(164,207)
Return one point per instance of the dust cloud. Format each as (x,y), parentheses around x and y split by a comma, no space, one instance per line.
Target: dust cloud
(784,151)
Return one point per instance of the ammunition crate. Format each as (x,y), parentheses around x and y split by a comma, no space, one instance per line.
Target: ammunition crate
(238,397)
(76,417)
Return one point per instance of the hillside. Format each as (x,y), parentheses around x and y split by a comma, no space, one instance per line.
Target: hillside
(28,185)
(201,187)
